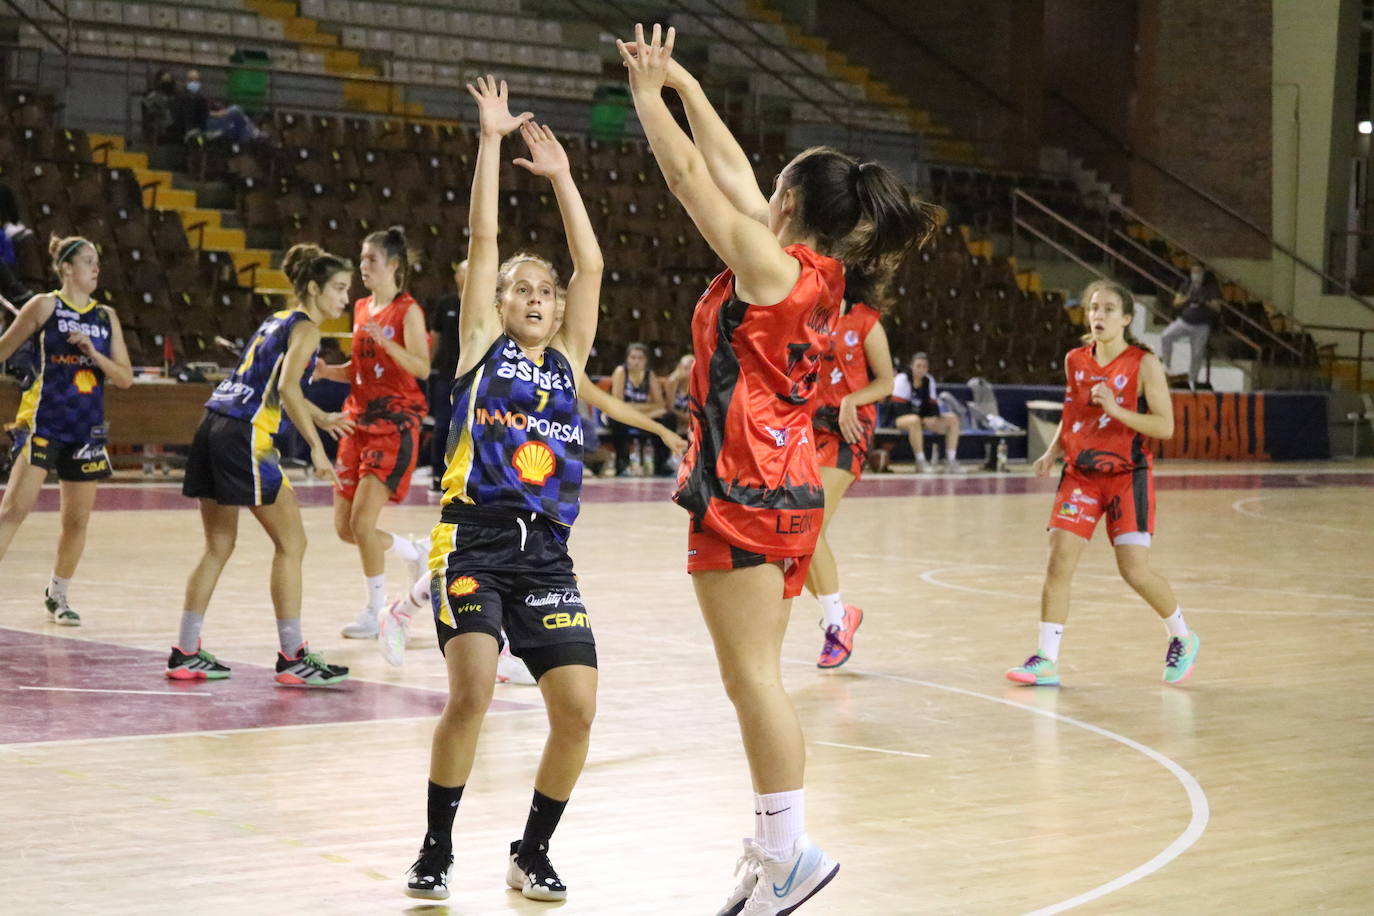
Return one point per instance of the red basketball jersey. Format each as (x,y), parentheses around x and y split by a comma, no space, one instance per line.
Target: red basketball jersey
(1091,439)
(844,365)
(380,387)
(750,472)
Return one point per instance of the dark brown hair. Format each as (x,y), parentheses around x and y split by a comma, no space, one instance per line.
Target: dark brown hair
(392,242)
(1127,300)
(308,263)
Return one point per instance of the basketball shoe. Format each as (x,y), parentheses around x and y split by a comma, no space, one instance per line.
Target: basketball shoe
(511,670)
(839,641)
(308,669)
(1038,671)
(197,665)
(60,612)
(365,627)
(428,877)
(533,875)
(1179,659)
(781,886)
(393,630)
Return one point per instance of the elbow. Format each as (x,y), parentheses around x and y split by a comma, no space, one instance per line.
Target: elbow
(680,175)
(125,380)
(1166,429)
(591,265)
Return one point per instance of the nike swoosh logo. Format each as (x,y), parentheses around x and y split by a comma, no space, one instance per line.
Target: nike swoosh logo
(779,811)
(783,891)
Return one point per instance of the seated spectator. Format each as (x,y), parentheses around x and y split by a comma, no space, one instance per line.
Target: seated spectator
(633,383)
(230,123)
(156,108)
(1199,301)
(923,413)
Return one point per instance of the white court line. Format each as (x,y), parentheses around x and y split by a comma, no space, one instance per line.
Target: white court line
(1238,506)
(1197,799)
(876,750)
(152,693)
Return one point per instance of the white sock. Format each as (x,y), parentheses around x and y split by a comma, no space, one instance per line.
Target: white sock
(832,610)
(376,592)
(419,592)
(57,588)
(403,549)
(779,818)
(1175,625)
(289,635)
(1050,634)
(188,639)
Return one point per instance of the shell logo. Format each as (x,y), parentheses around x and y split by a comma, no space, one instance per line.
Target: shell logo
(463,585)
(84,381)
(534,462)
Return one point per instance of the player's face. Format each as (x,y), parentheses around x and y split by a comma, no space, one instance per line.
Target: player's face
(373,266)
(635,360)
(529,305)
(333,299)
(920,367)
(82,270)
(1106,316)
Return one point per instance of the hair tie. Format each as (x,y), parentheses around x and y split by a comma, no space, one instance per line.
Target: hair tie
(71,249)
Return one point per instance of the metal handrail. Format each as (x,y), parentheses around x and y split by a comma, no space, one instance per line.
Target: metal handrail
(66,21)
(1359,359)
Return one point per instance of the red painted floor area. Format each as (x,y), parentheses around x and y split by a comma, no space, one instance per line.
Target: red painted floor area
(56,689)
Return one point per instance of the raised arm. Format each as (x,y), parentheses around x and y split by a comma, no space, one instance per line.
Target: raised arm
(548,158)
(478,324)
(764,273)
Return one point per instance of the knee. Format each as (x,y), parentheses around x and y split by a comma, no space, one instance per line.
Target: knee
(1135,574)
(290,545)
(75,524)
(465,707)
(11,513)
(220,545)
(573,720)
(742,687)
(343,527)
(358,530)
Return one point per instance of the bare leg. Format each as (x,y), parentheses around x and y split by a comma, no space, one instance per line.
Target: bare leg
(570,698)
(951,424)
(282,522)
(368,501)
(20,495)
(471,662)
(1133,562)
(915,435)
(747,617)
(823,578)
(1065,550)
(78,496)
(221,525)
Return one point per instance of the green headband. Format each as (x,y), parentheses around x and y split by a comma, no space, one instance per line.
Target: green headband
(70,250)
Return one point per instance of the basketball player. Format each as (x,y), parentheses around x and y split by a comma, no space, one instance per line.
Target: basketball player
(1107,474)
(513,478)
(855,373)
(233,463)
(60,425)
(633,383)
(750,479)
(386,405)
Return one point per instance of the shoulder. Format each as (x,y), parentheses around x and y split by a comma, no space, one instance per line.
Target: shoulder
(108,312)
(1149,362)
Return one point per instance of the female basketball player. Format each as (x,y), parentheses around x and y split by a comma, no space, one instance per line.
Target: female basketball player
(386,405)
(61,421)
(233,463)
(856,372)
(514,474)
(633,383)
(750,479)
(1108,473)
(677,392)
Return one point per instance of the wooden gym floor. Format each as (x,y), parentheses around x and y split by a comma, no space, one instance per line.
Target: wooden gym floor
(939,786)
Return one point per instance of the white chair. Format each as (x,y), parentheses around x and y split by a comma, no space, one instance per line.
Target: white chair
(149,45)
(177,47)
(502,53)
(338,11)
(363,12)
(162,17)
(413,18)
(314,9)
(81,10)
(106,11)
(121,44)
(379,39)
(191,20)
(429,47)
(218,23)
(422,72)
(354,36)
(388,14)
(550,32)
(436,21)
(271,29)
(454,49)
(88,41)
(448,75)
(403,44)
(504,28)
(246,26)
(206,52)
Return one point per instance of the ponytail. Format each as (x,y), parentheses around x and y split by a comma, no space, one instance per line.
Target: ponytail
(308,263)
(1124,296)
(392,241)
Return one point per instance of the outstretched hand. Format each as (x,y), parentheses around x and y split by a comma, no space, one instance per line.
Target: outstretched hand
(648,61)
(547,156)
(493,107)
(677,78)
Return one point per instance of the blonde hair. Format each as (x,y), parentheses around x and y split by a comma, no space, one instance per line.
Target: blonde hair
(506,272)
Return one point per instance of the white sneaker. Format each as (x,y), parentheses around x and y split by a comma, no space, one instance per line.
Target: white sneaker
(393,629)
(924,466)
(783,885)
(952,466)
(751,863)
(511,670)
(365,627)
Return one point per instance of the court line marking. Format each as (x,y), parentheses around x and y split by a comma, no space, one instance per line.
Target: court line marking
(1238,507)
(876,750)
(149,693)
(1197,798)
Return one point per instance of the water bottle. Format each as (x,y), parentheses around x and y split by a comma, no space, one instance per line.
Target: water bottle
(1001,455)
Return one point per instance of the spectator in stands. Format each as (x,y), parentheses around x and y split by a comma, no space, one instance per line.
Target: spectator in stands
(190,109)
(633,383)
(156,108)
(1199,301)
(926,413)
(676,396)
(443,361)
(230,123)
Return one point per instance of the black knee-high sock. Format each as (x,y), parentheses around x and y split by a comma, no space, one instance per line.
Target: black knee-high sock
(545,813)
(443,805)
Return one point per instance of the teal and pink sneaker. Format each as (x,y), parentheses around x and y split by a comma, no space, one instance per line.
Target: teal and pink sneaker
(1038,671)
(1178,661)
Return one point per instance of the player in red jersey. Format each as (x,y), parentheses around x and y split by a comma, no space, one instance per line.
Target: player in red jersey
(856,372)
(750,478)
(1107,474)
(390,356)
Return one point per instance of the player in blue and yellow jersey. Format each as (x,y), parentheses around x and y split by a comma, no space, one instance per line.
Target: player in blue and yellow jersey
(61,421)
(513,479)
(234,463)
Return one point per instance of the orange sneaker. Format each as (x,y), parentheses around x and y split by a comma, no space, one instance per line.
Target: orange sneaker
(839,642)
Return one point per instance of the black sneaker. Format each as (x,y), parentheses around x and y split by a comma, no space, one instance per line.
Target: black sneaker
(60,612)
(428,877)
(308,669)
(197,665)
(533,875)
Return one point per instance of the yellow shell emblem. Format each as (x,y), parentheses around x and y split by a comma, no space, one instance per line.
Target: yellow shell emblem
(84,381)
(463,585)
(534,462)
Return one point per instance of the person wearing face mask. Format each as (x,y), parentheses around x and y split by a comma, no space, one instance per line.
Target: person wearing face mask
(1199,301)
(61,422)
(233,463)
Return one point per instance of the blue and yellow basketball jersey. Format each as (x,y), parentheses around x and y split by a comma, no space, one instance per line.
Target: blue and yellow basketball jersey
(65,401)
(252,392)
(515,440)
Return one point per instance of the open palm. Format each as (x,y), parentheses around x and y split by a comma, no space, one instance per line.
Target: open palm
(493,107)
(547,156)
